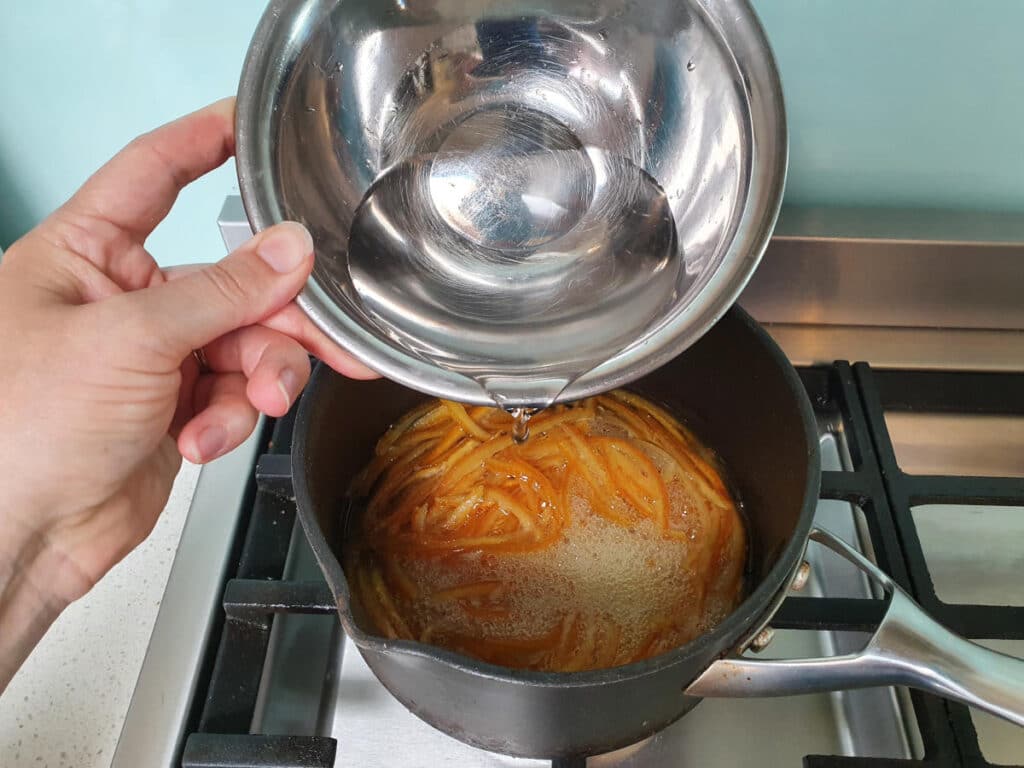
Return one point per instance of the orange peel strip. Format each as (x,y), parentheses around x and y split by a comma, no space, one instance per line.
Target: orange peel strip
(458,413)
(478,589)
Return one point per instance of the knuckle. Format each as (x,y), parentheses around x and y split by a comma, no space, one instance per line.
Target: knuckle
(227,285)
(88,236)
(266,348)
(256,345)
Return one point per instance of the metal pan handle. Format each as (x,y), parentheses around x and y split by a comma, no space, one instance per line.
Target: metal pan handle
(908,648)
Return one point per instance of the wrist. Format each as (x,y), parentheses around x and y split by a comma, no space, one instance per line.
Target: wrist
(27,604)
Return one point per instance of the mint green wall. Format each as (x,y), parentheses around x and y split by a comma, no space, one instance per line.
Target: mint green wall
(903,102)
(81,78)
(891,102)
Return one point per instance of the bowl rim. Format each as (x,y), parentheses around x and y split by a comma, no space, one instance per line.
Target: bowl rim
(279,39)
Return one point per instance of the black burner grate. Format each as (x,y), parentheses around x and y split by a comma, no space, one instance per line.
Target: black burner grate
(220,722)
(952,738)
(859,396)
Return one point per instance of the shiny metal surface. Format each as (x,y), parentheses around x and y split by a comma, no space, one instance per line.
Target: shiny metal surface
(299,658)
(892,269)
(984,445)
(233,224)
(157,715)
(921,348)
(908,648)
(803,573)
(503,193)
(898,288)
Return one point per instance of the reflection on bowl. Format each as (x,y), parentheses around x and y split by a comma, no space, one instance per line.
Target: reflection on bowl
(475,173)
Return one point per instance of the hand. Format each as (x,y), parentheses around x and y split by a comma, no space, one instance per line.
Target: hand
(100,395)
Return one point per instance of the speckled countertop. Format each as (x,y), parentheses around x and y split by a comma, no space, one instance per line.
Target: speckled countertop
(65,707)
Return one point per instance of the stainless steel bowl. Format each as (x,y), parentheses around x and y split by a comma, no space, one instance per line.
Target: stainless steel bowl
(337,94)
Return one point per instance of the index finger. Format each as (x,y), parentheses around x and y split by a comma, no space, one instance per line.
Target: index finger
(293,322)
(136,189)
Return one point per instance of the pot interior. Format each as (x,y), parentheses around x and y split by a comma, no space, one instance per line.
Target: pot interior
(733,388)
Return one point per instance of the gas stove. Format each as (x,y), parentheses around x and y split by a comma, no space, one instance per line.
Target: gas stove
(924,470)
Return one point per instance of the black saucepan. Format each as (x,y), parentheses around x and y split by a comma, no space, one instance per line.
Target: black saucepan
(751,408)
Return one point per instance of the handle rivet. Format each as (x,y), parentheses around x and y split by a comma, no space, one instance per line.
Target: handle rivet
(803,574)
(764,637)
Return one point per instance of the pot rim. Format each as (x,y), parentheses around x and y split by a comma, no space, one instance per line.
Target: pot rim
(731,634)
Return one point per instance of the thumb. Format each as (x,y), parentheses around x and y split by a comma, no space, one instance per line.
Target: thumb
(255,281)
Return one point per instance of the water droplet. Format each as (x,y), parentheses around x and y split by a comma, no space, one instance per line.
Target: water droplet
(602,34)
(311,109)
(690,66)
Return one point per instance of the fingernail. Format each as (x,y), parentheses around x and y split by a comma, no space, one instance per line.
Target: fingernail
(211,442)
(288,383)
(286,247)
